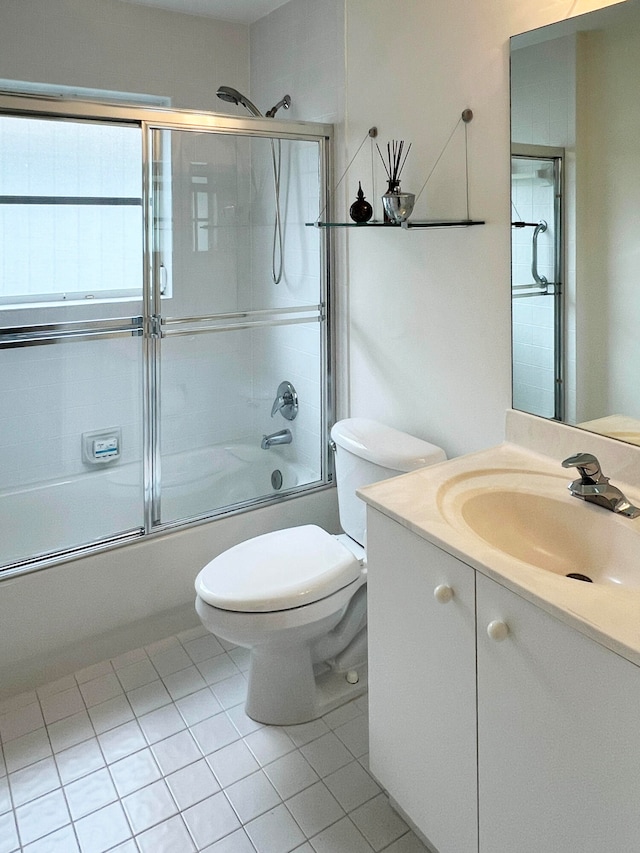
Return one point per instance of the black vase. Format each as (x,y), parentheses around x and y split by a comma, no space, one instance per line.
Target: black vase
(360,210)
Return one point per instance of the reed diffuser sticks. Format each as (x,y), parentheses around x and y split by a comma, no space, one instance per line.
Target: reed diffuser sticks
(394,164)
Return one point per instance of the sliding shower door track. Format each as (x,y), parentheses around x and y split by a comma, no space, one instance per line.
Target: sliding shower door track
(84,330)
(242,320)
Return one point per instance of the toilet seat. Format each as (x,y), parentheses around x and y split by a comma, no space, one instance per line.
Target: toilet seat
(278,571)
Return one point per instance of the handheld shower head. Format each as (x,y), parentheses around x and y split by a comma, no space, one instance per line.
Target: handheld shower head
(232,96)
(285,102)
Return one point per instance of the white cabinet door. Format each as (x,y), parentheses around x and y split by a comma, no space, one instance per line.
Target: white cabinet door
(422,699)
(558,735)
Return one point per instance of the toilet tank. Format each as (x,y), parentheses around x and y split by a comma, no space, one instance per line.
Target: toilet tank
(367,452)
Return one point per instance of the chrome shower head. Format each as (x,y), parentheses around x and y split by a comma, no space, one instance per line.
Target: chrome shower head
(285,102)
(232,96)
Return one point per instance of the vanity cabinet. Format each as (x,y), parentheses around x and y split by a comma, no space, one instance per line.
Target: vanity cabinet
(422,695)
(535,751)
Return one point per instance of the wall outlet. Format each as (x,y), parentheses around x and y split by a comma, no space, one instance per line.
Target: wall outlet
(101,446)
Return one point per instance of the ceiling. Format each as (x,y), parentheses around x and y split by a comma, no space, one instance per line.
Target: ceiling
(239,11)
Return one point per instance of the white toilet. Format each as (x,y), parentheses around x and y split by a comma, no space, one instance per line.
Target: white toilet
(297,597)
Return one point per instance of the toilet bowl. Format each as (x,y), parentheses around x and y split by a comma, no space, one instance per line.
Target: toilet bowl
(296,598)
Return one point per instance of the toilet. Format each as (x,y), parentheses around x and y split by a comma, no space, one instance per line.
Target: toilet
(296,598)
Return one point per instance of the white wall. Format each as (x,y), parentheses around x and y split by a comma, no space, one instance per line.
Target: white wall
(430,311)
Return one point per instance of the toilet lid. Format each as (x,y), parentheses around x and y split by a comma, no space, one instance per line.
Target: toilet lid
(278,571)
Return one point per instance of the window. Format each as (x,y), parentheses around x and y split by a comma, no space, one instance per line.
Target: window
(70,210)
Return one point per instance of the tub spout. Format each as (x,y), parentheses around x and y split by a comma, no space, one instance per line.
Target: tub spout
(283,436)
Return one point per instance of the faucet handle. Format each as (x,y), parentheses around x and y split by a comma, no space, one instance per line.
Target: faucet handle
(588,466)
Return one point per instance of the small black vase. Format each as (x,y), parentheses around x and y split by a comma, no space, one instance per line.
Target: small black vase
(360,210)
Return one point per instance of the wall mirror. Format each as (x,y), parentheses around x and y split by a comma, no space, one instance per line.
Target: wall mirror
(575,214)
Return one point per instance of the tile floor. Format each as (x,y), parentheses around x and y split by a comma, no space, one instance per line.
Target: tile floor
(151,752)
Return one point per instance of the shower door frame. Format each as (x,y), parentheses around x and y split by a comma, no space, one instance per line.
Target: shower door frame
(556,156)
(151,326)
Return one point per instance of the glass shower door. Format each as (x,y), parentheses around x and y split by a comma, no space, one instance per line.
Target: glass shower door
(228,333)
(537,307)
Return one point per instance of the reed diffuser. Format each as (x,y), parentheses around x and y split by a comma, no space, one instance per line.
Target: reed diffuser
(397,205)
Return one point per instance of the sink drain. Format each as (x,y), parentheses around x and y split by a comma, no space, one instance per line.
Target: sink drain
(276,479)
(579,577)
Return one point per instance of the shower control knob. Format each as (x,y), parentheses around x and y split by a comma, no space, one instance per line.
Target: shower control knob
(498,630)
(443,593)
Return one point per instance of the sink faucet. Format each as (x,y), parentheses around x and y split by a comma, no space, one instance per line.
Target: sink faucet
(283,436)
(595,488)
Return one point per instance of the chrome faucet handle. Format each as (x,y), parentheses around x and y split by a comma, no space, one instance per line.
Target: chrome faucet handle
(588,466)
(286,401)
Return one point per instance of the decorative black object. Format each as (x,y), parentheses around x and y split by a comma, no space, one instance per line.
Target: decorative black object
(360,210)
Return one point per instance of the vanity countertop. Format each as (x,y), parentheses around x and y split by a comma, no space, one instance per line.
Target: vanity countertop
(609,614)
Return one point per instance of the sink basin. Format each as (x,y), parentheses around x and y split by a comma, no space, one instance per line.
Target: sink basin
(533,519)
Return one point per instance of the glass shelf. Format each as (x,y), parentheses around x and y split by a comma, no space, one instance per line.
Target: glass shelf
(409,225)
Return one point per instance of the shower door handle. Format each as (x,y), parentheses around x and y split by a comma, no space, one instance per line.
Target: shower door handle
(540,228)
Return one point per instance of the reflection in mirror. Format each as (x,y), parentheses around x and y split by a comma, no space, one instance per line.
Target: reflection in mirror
(575,203)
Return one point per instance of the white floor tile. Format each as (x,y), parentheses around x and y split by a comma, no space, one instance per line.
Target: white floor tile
(241,657)
(134,772)
(170,660)
(107,715)
(202,648)
(78,761)
(343,835)
(291,774)
(211,819)
(20,700)
(306,732)
(21,721)
(94,671)
(268,744)
(60,705)
(128,658)
(232,762)
(8,834)
(148,697)
(379,824)
(192,783)
(122,741)
(275,832)
(42,816)
(170,836)
(101,689)
(5,797)
(214,733)
(217,669)
(149,806)
(230,691)
(198,706)
(137,674)
(103,829)
(161,723)
(252,796)
(176,752)
(184,682)
(26,750)
(61,841)
(57,686)
(342,715)
(237,842)
(192,633)
(70,731)
(90,793)
(351,786)
(409,843)
(244,724)
(315,809)
(355,735)
(326,754)
(34,781)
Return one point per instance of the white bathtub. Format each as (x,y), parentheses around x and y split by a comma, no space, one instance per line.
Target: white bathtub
(96,505)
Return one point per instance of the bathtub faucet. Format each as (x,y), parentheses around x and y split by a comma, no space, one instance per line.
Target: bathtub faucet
(282,437)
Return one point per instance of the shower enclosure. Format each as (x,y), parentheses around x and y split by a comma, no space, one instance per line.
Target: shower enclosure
(143,337)
(537,276)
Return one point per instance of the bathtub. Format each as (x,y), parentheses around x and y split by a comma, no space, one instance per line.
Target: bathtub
(90,507)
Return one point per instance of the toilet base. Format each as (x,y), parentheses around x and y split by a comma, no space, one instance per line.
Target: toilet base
(294,703)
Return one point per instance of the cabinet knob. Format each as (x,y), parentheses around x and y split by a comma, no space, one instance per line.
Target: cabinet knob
(497,630)
(443,593)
